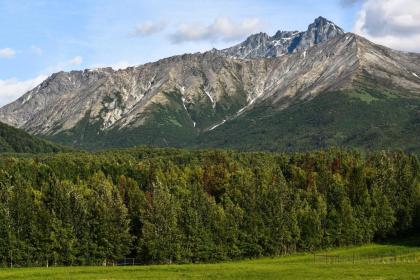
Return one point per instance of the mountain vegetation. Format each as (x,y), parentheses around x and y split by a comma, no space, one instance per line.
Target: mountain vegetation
(370,121)
(179,206)
(17,141)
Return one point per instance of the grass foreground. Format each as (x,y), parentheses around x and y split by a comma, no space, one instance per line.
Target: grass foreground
(364,262)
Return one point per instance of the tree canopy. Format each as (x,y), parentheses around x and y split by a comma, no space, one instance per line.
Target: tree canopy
(170,205)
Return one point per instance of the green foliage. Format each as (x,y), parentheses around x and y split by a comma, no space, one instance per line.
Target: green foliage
(351,119)
(18,141)
(178,206)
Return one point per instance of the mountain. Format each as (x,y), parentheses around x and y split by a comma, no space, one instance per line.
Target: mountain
(17,141)
(284,42)
(291,91)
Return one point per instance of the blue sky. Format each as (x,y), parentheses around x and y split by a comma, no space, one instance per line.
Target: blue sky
(39,37)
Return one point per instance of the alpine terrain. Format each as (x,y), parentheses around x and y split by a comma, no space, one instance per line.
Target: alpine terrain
(291,91)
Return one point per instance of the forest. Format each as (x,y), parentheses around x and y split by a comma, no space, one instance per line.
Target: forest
(182,206)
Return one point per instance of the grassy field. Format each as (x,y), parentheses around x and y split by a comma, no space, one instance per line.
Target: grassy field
(364,262)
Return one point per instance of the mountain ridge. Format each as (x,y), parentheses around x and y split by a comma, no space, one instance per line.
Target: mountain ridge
(284,42)
(177,101)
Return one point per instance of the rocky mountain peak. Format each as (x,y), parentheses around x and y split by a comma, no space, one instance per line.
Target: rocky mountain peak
(284,34)
(285,42)
(320,21)
(322,29)
(257,38)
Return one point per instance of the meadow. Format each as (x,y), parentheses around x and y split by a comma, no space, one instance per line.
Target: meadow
(373,261)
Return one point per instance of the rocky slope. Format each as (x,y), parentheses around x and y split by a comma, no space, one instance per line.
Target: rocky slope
(205,99)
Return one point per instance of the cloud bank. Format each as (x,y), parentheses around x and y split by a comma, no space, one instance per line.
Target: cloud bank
(393,23)
(149,27)
(7,52)
(36,50)
(348,2)
(11,89)
(222,29)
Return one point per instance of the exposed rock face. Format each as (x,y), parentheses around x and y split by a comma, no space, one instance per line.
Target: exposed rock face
(197,93)
(285,42)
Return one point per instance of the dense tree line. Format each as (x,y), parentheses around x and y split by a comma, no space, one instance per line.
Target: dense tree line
(14,140)
(168,205)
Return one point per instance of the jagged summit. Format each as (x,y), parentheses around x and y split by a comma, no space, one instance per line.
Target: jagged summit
(285,42)
(322,30)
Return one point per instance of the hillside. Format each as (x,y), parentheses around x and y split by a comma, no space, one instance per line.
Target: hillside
(290,91)
(368,120)
(17,141)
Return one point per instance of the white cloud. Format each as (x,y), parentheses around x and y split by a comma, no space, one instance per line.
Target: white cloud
(11,89)
(116,66)
(75,61)
(393,23)
(149,27)
(222,28)
(7,52)
(348,2)
(121,65)
(37,50)
(65,66)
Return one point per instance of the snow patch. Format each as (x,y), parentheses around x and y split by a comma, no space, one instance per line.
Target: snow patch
(304,54)
(415,75)
(211,98)
(29,96)
(241,110)
(249,104)
(151,82)
(194,123)
(281,41)
(276,42)
(217,125)
(183,104)
(333,25)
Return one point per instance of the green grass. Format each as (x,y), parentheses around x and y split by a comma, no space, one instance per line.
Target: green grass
(370,262)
